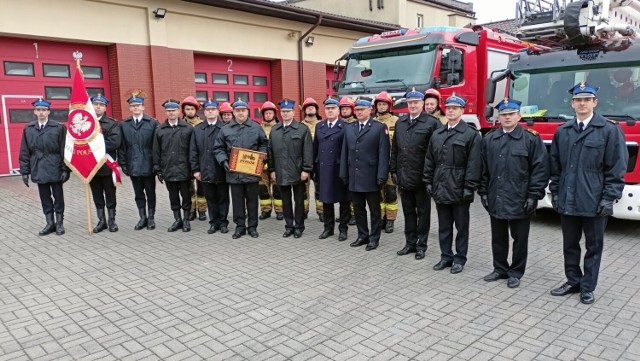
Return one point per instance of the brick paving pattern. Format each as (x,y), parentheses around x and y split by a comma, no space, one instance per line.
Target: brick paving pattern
(154,295)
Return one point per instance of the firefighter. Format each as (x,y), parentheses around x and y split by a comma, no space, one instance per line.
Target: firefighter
(389,205)
(269,193)
(190,107)
(42,158)
(171,163)
(226,112)
(432,100)
(311,118)
(588,163)
(347,109)
(102,185)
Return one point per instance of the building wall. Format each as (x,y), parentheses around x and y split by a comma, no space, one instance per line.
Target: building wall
(432,15)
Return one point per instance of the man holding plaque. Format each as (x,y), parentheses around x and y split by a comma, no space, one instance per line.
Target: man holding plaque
(290,165)
(241,148)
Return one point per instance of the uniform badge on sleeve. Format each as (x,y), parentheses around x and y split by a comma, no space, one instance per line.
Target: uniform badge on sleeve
(386,131)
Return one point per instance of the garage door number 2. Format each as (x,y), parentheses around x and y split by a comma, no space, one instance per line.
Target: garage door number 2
(230,62)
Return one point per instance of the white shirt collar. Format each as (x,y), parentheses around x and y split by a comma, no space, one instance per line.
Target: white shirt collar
(586,121)
(214,122)
(332,122)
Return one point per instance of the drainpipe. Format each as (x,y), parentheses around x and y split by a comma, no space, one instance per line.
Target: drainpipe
(301,61)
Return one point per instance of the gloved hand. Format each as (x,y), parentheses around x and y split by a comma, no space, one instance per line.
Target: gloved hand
(64,177)
(554,202)
(394,178)
(225,164)
(485,201)
(160,178)
(430,190)
(25,179)
(381,182)
(530,206)
(605,208)
(315,177)
(467,195)
(125,170)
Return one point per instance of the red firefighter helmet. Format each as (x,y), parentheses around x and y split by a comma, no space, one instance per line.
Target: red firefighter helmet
(347,102)
(309,102)
(432,93)
(383,97)
(190,100)
(268,106)
(226,108)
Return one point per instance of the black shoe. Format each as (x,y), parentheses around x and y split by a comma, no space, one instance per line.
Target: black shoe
(265,215)
(202,216)
(297,234)
(192,215)
(279,216)
(306,214)
(213,229)
(143,219)
(565,289)
(186,225)
(102,221)
(494,276)
(50,227)
(352,221)
(59,224)
(513,282)
(456,268)
(371,246)
(224,229)
(321,217)
(113,227)
(287,233)
(406,250)
(239,233)
(253,233)
(388,227)
(587,297)
(442,265)
(359,242)
(325,234)
(177,224)
(151,223)
(342,236)
(420,254)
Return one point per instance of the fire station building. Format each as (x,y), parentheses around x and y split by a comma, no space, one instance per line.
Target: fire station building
(255,50)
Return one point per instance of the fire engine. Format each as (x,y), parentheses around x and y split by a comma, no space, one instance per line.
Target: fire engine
(449,59)
(578,41)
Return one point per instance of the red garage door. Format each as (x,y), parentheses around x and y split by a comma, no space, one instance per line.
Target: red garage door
(229,79)
(35,68)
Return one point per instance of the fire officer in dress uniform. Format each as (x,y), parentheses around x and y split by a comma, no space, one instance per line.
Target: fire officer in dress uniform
(452,173)
(171,163)
(515,174)
(208,171)
(347,108)
(136,158)
(269,192)
(364,168)
(432,100)
(226,112)
(290,165)
(42,158)
(408,151)
(190,107)
(389,205)
(311,118)
(327,148)
(241,132)
(102,185)
(588,162)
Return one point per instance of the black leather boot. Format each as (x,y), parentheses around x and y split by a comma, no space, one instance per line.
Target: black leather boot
(202,216)
(186,225)
(388,227)
(143,219)
(177,224)
(152,219)
(50,227)
(59,224)
(113,227)
(192,215)
(102,222)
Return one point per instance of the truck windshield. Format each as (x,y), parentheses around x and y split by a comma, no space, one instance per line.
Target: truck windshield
(544,92)
(380,69)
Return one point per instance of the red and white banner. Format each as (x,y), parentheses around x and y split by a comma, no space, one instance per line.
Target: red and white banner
(84,150)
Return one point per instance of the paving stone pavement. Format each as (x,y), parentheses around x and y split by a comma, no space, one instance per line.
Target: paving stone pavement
(154,295)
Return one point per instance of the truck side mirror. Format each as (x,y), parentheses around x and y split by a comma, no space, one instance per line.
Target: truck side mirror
(488,111)
(491,91)
(453,79)
(336,85)
(455,60)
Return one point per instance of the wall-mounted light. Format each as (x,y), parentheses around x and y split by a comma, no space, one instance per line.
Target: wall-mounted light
(160,13)
(309,41)
(292,34)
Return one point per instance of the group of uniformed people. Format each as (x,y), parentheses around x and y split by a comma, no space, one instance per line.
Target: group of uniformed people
(357,159)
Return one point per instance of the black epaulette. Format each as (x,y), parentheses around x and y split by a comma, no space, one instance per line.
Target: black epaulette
(533,132)
(611,121)
(491,131)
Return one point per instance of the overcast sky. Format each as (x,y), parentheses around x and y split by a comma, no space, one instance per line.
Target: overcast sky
(493,10)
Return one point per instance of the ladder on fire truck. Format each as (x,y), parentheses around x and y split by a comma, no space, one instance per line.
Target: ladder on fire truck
(562,23)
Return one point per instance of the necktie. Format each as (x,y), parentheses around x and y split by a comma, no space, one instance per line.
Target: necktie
(41,126)
(330,125)
(361,127)
(411,121)
(580,127)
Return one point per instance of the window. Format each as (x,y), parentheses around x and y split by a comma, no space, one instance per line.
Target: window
(241,79)
(18,69)
(92,72)
(257,114)
(57,93)
(59,115)
(244,96)
(260,97)
(220,78)
(201,95)
(21,115)
(201,78)
(221,96)
(260,80)
(420,20)
(95,91)
(56,70)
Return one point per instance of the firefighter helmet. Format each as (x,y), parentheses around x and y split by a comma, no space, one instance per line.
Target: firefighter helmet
(226,108)
(347,102)
(383,97)
(310,102)
(190,100)
(432,93)
(268,106)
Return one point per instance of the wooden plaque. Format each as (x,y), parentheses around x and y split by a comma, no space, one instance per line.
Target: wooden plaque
(247,161)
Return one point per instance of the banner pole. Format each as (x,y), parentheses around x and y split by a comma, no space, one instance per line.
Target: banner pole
(89,228)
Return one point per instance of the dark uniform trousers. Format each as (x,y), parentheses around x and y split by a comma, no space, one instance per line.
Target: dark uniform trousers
(217,196)
(177,190)
(293,214)
(519,229)
(448,215)
(330,216)
(360,201)
(593,228)
(244,199)
(103,191)
(416,207)
(48,190)
(144,189)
